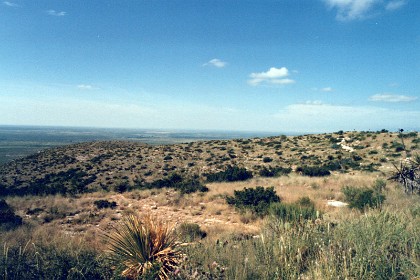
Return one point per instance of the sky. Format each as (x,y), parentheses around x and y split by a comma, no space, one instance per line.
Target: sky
(301,66)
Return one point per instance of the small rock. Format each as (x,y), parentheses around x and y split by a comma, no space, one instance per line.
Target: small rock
(335,203)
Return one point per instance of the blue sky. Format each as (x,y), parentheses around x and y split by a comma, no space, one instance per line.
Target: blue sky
(268,65)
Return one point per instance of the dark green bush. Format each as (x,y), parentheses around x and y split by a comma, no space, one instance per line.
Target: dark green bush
(305,202)
(335,146)
(190,232)
(190,186)
(361,198)
(71,182)
(232,173)
(399,149)
(168,157)
(257,200)
(175,181)
(274,171)
(267,159)
(8,218)
(314,171)
(356,157)
(334,140)
(122,187)
(103,203)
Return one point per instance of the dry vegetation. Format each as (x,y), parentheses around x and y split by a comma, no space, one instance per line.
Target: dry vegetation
(77,220)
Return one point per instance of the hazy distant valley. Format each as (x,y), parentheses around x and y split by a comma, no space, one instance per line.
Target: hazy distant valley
(19,141)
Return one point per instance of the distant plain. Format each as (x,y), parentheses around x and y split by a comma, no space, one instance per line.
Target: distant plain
(20,141)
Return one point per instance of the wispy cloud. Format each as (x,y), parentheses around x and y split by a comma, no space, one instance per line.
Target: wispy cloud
(324,89)
(313,102)
(277,76)
(216,63)
(86,87)
(56,13)
(387,97)
(327,89)
(10,4)
(351,9)
(348,10)
(395,5)
(315,116)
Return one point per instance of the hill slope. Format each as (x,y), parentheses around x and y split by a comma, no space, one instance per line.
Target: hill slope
(109,165)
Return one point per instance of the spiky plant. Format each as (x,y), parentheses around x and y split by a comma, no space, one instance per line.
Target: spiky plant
(143,246)
(408,175)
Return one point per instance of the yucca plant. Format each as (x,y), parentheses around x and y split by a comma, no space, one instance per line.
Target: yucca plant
(143,247)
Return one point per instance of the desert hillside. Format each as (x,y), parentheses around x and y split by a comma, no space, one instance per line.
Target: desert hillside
(95,166)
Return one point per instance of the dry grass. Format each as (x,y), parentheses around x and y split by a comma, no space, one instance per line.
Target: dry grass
(209,210)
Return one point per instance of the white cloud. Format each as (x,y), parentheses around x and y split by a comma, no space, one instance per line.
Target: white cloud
(387,97)
(216,63)
(10,4)
(395,5)
(359,9)
(327,89)
(315,116)
(272,73)
(56,13)
(86,87)
(272,76)
(282,81)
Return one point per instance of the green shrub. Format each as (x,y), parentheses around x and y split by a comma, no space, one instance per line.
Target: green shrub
(379,185)
(71,182)
(267,159)
(335,140)
(361,198)
(168,157)
(274,171)
(190,186)
(303,209)
(314,171)
(103,203)
(305,202)
(190,232)
(257,200)
(232,173)
(8,219)
(399,149)
(356,157)
(336,146)
(122,187)
(175,181)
